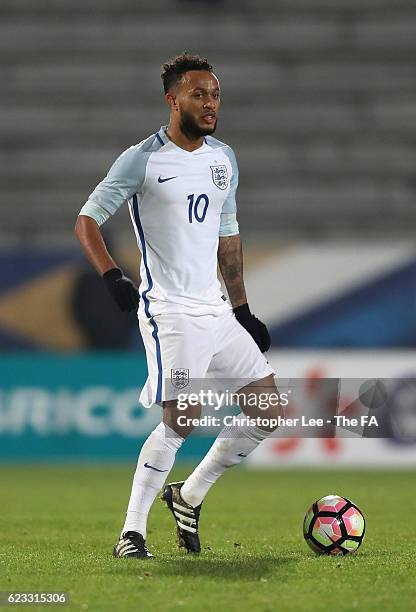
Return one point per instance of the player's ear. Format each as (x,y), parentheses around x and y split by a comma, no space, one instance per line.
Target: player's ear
(171,100)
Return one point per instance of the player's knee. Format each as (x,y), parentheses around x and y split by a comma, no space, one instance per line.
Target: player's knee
(181,421)
(273,418)
(178,424)
(264,406)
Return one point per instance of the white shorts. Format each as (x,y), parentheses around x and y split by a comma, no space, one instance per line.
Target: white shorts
(181,348)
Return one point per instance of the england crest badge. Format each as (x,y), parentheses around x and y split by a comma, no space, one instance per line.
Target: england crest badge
(220,176)
(179,378)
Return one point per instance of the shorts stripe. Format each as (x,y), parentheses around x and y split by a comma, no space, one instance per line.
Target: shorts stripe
(139,228)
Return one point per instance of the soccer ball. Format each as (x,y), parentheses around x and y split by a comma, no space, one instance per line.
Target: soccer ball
(333,525)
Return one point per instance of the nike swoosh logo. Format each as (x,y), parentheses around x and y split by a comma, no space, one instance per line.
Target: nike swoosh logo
(163,180)
(147,465)
(241,455)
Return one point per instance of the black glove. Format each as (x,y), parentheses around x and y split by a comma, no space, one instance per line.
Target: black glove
(122,289)
(256,329)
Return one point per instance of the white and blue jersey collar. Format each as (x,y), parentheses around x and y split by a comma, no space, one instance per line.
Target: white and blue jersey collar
(163,139)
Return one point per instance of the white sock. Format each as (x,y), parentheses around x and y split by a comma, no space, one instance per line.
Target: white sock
(232,445)
(158,454)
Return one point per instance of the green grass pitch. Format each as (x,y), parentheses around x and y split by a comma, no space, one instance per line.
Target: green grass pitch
(59,524)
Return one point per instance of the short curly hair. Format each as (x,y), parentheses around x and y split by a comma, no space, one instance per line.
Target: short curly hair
(175,68)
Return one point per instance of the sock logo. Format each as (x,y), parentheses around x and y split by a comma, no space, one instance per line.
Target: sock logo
(241,455)
(147,465)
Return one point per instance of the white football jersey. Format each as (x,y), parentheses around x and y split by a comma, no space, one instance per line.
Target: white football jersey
(176,199)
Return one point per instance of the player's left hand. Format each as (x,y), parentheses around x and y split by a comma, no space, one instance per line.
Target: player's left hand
(257,330)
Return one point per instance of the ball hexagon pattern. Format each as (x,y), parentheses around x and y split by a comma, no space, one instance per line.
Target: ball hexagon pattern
(333,525)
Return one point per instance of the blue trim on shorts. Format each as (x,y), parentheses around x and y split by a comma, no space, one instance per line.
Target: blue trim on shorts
(146,299)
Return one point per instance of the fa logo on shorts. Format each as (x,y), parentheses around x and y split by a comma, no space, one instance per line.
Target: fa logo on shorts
(179,377)
(220,176)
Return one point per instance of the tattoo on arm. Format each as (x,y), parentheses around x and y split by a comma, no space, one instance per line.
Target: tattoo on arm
(230,260)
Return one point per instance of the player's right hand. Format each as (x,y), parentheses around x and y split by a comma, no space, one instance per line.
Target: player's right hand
(122,289)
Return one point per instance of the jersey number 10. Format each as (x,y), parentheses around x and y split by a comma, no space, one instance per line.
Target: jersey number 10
(197,208)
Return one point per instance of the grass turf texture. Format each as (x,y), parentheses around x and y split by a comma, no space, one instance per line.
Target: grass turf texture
(59,524)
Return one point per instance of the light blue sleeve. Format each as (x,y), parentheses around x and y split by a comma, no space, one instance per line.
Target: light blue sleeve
(229,224)
(230,205)
(124,179)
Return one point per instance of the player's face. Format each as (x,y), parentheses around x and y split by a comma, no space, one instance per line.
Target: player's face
(198,101)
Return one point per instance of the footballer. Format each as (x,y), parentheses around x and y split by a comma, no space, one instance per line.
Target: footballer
(180,185)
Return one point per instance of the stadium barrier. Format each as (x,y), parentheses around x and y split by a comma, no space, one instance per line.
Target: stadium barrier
(60,407)
(56,407)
